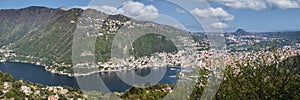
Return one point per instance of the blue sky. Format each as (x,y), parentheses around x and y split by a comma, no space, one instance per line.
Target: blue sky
(251,15)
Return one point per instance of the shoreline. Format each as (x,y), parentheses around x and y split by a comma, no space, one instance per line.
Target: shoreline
(22,65)
(85,74)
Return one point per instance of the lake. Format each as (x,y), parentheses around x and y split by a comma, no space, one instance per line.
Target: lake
(37,74)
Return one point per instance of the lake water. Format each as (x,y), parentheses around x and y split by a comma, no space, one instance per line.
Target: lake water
(37,74)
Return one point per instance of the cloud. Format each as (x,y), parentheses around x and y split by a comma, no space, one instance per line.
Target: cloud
(284,4)
(130,9)
(259,4)
(251,4)
(219,25)
(105,9)
(179,10)
(134,9)
(210,12)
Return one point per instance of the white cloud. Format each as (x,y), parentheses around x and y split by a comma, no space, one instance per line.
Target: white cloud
(284,4)
(219,25)
(105,9)
(129,8)
(251,4)
(134,9)
(259,4)
(179,10)
(210,12)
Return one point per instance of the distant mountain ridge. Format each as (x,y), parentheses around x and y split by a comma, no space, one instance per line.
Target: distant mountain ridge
(241,31)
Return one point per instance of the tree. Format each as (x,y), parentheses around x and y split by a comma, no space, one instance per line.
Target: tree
(15,93)
(7,78)
(280,80)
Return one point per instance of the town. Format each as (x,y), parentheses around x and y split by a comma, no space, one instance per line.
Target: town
(198,54)
(196,51)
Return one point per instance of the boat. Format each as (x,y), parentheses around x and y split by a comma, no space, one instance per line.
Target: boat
(172,68)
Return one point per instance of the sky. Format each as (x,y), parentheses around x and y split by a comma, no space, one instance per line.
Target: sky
(192,15)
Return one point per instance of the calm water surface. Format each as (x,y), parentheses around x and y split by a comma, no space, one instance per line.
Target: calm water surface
(37,74)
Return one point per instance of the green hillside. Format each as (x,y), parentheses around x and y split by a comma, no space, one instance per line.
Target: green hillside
(39,34)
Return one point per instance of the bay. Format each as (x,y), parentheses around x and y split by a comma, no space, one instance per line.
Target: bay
(37,74)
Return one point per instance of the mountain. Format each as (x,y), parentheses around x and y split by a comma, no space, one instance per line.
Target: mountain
(241,31)
(38,32)
(45,35)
